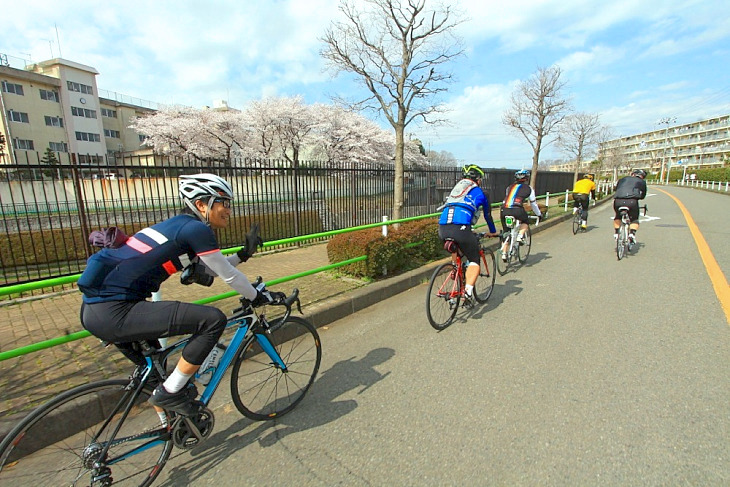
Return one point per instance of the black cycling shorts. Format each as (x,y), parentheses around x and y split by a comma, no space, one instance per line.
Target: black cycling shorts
(462,234)
(631,203)
(128,321)
(580,199)
(518,213)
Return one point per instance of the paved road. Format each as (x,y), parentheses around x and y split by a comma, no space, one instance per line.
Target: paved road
(580,370)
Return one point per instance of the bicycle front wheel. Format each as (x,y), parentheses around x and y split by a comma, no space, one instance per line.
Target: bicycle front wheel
(487,275)
(59,443)
(524,249)
(260,388)
(443,297)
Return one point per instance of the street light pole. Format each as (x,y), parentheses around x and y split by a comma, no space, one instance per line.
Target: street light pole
(666,121)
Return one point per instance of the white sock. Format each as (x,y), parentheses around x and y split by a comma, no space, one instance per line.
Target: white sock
(176,381)
(468,288)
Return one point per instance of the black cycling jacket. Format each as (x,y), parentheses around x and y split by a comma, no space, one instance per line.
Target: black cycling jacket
(630,187)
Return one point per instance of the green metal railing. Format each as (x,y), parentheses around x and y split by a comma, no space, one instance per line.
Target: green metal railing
(35,347)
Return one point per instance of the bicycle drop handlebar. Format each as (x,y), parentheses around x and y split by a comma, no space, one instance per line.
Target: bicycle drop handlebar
(280,300)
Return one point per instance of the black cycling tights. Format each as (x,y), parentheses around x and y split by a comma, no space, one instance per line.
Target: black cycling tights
(126,321)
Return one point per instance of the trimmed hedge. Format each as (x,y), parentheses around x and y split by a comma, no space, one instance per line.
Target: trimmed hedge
(720,174)
(387,255)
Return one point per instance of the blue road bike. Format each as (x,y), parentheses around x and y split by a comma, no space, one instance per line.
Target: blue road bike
(105,433)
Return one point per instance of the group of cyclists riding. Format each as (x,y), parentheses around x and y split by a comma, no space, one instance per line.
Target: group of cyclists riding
(461,210)
(119,279)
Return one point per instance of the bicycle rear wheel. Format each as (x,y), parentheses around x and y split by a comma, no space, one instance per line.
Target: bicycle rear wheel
(487,274)
(443,297)
(260,389)
(621,241)
(503,263)
(58,443)
(523,251)
(576,222)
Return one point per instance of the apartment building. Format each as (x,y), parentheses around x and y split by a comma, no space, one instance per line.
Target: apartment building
(701,144)
(56,104)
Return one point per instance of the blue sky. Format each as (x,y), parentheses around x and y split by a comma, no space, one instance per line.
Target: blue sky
(632,62)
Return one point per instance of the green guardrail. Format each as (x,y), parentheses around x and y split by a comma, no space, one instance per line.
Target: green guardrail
(35,347)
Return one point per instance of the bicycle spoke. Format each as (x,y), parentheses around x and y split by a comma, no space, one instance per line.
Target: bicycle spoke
(59,443)
(260,389)
(443,296)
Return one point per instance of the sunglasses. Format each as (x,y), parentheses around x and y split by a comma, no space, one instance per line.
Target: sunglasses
(225,203)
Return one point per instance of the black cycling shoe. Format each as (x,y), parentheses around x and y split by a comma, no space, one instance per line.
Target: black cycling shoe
(181,402)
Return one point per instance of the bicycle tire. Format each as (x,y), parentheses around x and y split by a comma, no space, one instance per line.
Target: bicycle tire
(576,222)
(53,444)
(487,275)
(260,389)
(443,296)
(503,264)
(621,242)
(523,251)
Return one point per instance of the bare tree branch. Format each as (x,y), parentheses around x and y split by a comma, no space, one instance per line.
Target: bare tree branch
(537,108)
(396,49)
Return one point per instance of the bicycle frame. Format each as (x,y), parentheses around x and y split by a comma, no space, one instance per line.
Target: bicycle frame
(244,324)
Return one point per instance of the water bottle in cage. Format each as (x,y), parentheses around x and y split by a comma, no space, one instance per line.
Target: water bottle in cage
(207,369)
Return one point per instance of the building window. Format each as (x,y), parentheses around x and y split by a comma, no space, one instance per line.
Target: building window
(87,159)
(83,112)
(49,95)
(72,86)
(18,116)
(23,144)
(88,137)
(58,146)
(12,88)
(105,112)
(54,121)
(111,133)
(142,138)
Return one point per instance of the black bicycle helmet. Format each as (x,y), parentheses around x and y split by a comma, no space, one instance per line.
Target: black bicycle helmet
(473,172)
(639,173)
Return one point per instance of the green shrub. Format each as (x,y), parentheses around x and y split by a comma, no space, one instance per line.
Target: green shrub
(410,245)
(721,174)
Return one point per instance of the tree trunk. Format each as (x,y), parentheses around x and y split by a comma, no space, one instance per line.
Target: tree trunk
(398,176)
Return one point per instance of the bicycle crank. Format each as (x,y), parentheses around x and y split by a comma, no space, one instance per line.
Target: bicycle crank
(188,431)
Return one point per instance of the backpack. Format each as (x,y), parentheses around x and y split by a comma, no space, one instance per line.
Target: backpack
(109,238)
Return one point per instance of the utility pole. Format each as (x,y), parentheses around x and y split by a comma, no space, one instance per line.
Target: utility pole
(666,121)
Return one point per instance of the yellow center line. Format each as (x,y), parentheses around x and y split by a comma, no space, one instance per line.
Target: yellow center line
(719,282)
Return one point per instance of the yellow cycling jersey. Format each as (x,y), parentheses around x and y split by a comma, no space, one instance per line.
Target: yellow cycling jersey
(584,186)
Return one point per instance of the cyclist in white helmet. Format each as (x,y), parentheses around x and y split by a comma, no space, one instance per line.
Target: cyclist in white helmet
(118,281)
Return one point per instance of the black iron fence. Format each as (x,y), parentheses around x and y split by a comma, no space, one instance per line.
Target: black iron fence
(48,207)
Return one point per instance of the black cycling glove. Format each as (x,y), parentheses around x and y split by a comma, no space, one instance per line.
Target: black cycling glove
(253,241)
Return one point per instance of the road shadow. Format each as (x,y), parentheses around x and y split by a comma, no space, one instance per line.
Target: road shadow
(501,291)
(319,407)
(534,258)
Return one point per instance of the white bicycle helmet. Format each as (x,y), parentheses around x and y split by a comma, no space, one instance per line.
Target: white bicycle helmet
(193,187)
